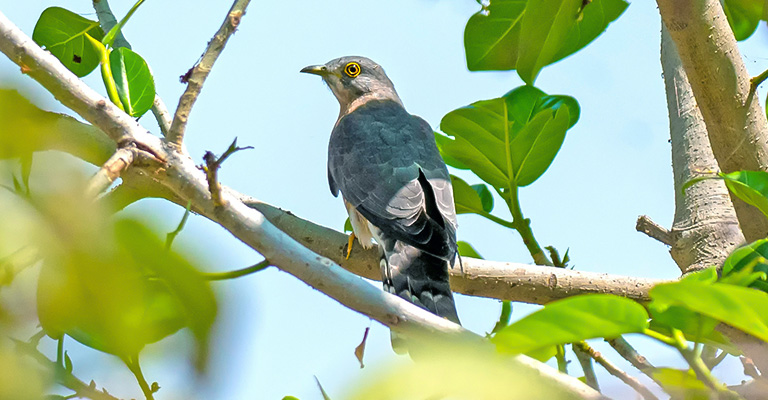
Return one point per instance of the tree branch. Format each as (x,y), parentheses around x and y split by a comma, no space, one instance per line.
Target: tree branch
(64,377)
(110,171)
(615,371)
(735,122)
(195,77)
(705,229)
(179,174)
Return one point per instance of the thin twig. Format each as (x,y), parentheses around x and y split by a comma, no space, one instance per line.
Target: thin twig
(64,377)
(653,230)
(615,371)
(195,77)
(630,354)
(586,365)
(171,236)
(220,276)
(211,169)
(133,364)
(110,171)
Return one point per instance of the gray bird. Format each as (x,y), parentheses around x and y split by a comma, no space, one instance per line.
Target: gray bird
(395,185)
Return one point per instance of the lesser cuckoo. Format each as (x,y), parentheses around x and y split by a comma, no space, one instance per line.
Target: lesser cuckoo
(394,184)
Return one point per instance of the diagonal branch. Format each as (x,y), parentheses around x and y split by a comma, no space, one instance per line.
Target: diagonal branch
(195,77)
(179,174)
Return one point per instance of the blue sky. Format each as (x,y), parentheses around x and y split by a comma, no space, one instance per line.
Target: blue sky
(274,332)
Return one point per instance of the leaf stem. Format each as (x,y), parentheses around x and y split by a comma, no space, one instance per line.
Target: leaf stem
(495,219)
(523,226)
(109,38)
(133,364)
(562,363)
(220,276)
(757,80)
(106,71)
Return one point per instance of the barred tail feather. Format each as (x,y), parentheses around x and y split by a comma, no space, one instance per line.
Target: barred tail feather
(420,278)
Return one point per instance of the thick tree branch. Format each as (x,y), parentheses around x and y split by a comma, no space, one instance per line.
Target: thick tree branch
(735,122)
(705,228)
(195,77)
(179,174)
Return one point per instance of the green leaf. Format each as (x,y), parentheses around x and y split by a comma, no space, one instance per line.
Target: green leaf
(543,32)
(748,266)
(681,384)
(743,16)
(347,225)
(62,32)
(471,199)
(740,307)
(573,319)
(134,81)
(493,37)
(466,250)
(750,186)
(595,18)
(510,140)
(182,280)
(486,198)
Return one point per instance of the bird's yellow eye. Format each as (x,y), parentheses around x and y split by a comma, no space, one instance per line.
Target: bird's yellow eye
(352,69)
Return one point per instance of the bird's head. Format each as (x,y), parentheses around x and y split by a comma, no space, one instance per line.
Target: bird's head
(355,80)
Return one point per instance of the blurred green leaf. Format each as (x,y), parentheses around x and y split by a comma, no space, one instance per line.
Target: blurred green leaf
(748,266)
(681,384)
(290,398)
(510,34)
(134,81)
(466,250)
(62,32)
(182,280)
(750,186)
(22,378)
(347,226)
(510,140)
(27,129)
(743,16)
(454,372)
(111,285)
(573,319)
(742,308)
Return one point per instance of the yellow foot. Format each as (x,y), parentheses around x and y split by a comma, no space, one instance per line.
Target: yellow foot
(349,245)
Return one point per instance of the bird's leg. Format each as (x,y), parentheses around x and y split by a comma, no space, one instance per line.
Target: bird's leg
(349,245)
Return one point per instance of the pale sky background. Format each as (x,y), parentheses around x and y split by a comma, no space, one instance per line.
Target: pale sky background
(274,333)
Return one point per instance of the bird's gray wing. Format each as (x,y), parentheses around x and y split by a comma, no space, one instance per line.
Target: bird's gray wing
(386,164)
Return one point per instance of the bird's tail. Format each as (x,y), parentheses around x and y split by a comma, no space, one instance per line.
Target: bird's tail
(420,278)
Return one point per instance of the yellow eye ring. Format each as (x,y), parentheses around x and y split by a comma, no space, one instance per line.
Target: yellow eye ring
(352,69)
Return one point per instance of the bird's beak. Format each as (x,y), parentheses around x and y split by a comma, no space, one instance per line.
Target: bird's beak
(315,69)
